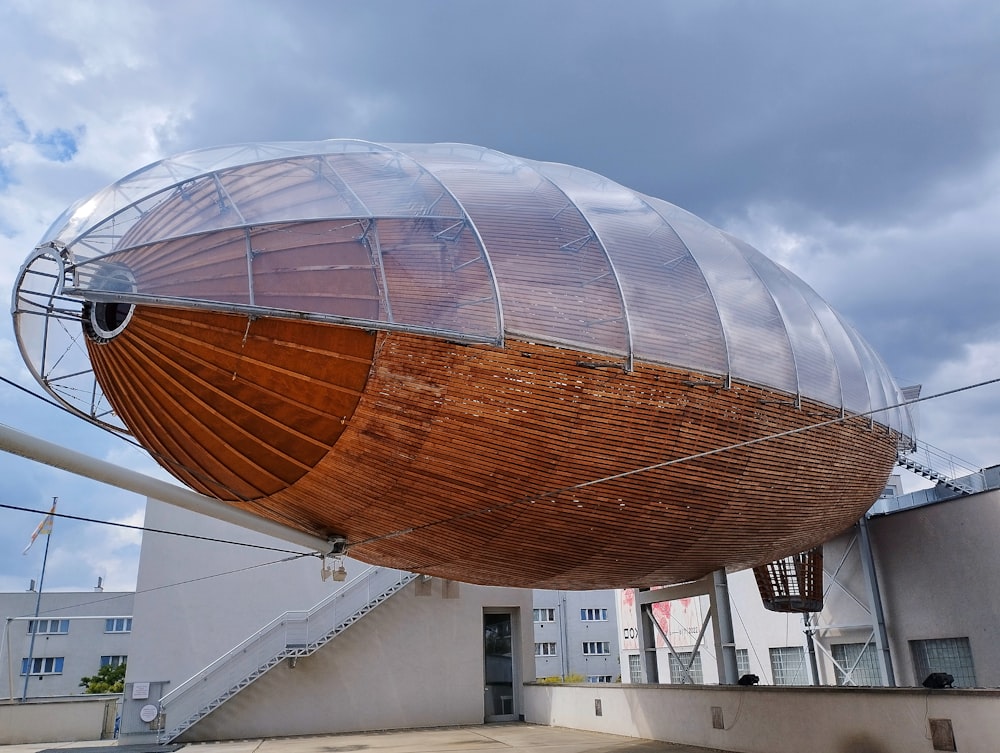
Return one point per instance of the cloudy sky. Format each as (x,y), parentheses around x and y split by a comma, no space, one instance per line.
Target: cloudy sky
(856,143)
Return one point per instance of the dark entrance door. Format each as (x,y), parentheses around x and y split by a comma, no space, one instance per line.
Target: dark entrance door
(499,667)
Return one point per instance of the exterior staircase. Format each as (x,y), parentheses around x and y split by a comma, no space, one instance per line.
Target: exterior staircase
(926,470)
(290,636)
(929,473)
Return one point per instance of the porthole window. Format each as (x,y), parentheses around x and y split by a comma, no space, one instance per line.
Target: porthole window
(105,320)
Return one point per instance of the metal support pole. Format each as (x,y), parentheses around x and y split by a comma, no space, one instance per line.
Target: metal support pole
(811,648)
(33,625)
(647,642)
(725,638)
(875,598)
(564,635)
(41,451)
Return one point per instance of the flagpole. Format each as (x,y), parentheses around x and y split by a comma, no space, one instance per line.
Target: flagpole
(10,660)
(33,626)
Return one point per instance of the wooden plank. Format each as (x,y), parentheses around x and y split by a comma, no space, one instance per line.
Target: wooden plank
(466,461)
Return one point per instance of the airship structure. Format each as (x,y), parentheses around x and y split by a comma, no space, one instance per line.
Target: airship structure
(462,363)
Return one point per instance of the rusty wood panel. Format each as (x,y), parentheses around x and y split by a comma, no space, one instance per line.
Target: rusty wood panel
(468,462)
(250,405)
(467,446)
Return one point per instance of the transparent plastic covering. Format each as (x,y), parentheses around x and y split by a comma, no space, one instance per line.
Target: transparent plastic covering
(456,241)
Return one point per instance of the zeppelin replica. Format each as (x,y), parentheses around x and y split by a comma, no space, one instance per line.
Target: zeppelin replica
(462,363)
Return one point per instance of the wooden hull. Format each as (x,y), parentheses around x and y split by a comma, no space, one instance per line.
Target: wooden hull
(465,462)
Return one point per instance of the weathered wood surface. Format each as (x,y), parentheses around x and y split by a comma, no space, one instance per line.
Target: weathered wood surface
(465,461)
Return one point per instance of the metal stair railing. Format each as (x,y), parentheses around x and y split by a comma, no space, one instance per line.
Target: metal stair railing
(293,634)
(931,459)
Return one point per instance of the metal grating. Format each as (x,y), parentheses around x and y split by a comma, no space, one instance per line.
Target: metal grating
(792,584)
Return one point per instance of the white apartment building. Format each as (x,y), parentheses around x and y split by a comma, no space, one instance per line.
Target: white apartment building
(576,636)
(76,632)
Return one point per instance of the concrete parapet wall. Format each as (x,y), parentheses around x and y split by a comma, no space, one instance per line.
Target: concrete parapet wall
(58,720)
(777,719)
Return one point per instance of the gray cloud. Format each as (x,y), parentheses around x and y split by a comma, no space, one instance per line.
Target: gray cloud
(858,144)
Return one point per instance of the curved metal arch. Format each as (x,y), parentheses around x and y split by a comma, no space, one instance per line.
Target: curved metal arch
(799,289)
(501,331)
(53,368)
(629,348)
(873,369)
(722,326)
(180,177)
(777,307)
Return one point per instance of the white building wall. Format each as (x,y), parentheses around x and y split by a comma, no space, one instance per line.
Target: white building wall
(937,568)
(81,648)
(416,660)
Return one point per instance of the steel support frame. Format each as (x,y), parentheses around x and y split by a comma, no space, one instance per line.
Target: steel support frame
(716,587)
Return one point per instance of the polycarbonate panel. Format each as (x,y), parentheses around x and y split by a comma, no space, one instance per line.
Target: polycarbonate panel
(316,267)
(901,417)
(205,267)
(853,383)
(436,276)
(390,184)
(672,317)
(815,365)
(154,178)
(463,241)
(759,350)
(881,388)
(555,282)
(298,234)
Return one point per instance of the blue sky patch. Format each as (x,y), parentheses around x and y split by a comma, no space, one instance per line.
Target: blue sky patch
(58,145)
(12,125)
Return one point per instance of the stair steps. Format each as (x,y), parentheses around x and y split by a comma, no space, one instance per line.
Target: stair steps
(201,694)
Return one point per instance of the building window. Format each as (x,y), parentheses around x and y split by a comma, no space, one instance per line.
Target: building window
(50,627)
(951,655)
(113,661)
(545,649)
(594,615)
(677,674)
(47,665)
(599,678)
(635,667)
(596,648)
(544,615)
(788,665)
(856,664)
(118,625)
(742,661)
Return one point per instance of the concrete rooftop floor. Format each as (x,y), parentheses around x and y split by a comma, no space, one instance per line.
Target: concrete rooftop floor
(491,738)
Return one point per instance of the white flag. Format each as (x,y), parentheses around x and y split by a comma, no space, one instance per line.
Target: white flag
(44,528)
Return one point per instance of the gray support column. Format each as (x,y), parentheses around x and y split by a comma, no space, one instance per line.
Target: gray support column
(725,639)
(875,599)
(811,647)
(563,635)
(647,640)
